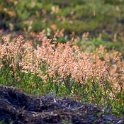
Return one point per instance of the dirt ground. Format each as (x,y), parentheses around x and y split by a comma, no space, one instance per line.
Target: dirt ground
(19,108)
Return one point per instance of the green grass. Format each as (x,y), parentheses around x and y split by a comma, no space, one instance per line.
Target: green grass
(91,44)
(90,92)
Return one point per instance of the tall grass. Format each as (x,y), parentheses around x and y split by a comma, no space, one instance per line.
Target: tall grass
(64,70)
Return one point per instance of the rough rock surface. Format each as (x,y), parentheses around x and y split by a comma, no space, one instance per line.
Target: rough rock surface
(19,108)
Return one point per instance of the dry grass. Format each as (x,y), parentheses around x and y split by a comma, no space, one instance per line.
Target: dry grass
(62,61)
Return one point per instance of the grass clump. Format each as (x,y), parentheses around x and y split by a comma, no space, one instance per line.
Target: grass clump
(63,70)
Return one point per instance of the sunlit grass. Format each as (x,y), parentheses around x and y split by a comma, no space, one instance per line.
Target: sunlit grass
(45,70)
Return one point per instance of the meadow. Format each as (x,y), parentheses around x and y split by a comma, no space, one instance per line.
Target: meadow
(63,70)
(64,48)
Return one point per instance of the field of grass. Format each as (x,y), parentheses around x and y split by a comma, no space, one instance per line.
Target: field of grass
(72,48)
(64,70)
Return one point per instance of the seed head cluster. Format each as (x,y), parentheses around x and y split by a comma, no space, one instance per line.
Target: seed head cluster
(62,61)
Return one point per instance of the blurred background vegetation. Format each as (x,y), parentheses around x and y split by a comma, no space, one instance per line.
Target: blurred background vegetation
(94,16)
(102,19)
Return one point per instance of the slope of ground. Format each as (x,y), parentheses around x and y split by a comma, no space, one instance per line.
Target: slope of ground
(19,108)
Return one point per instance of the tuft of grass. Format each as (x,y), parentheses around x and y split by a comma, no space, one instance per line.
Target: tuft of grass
(90,92)
(50,69)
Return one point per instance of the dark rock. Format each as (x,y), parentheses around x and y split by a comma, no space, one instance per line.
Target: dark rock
(20,108)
